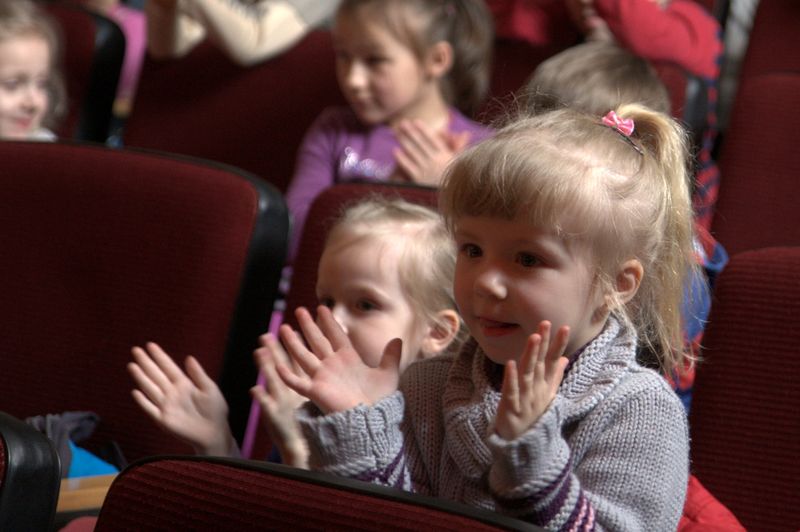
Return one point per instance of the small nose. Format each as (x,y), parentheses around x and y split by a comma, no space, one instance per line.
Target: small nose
(355,75)
(490,282)
(34,97)
(340,315)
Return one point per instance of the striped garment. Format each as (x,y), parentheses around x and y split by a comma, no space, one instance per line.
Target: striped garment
(610,453)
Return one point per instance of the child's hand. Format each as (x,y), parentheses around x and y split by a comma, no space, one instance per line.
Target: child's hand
(591,24)
(331,373)
(528,392)
(278,403)
(188,405)
(423,153)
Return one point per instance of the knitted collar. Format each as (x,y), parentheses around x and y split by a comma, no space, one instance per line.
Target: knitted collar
(470,401)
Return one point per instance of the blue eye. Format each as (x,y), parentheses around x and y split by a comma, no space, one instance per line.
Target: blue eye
(471,250)
(528,260)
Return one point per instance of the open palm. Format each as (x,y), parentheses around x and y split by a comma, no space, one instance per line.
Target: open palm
(331,372)
(530,388)
(188,405)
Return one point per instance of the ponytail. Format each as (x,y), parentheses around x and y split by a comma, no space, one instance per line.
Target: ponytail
(670,262)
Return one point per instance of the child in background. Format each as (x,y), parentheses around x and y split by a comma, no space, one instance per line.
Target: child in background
(32,95)
(595,76)
(681,32)
(386,272)
(247,31)
(600,75)
(566,223)
(408,69)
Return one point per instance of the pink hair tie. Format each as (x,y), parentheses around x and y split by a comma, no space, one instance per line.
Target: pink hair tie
(623,125)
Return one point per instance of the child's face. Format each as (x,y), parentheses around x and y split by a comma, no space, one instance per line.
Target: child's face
(510,276)
(24,78)
(381,78)
(359,281)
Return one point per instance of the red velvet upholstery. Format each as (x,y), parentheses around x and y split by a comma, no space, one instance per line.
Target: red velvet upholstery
(106,249)
(759,166)
(223,494)
(744,420)
(773,44)
(93,52)
(254,118)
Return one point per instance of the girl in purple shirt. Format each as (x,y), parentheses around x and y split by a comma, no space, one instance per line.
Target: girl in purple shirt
(410,71)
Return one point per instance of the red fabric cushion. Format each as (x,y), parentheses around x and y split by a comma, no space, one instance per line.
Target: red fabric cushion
(773,39)
(251,117)
(201,495)
(759,165)
(744,419)
(104,260)
(704,513)
(78,32)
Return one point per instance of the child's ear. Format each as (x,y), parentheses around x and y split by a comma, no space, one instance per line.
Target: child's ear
(442,333)
(628,280)
(439,60)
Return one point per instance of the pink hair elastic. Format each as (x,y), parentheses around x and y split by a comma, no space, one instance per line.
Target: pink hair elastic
(623,126)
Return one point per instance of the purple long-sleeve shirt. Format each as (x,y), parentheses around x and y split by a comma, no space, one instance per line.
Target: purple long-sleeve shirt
(338,148)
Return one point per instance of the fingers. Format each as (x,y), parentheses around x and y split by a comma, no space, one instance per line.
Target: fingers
(392,355)
(510,388)
(418,140)
(307,361)
(164,362)
(300,384)
(145,404)
(411,171)
(331,329)
(198,375)
(317,340)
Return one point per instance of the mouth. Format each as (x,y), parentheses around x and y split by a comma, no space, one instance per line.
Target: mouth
(494,328)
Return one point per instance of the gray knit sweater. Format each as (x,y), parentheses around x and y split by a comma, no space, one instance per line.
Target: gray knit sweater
(610,453)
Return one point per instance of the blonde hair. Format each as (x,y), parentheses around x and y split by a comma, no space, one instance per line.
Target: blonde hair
(428,260)
(22,18)
(419,24)
(595,77)
(625,198)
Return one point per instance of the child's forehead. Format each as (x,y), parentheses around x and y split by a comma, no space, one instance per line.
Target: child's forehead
(348,239)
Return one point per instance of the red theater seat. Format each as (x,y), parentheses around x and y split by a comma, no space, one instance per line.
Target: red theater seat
(105,249)
(744,421)
(192,493)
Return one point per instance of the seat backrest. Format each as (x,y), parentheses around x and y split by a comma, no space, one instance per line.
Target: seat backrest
(94,48)
(759,164)
(107,249)
(193,493)
(773,45)
(744,421)
(30,476)
(254,117)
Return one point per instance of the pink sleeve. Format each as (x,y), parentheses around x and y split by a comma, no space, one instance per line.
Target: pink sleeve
(683,33)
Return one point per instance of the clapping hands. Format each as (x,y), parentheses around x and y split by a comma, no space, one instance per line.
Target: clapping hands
(423,153)
(189,405)
(530,386)
(329,371)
